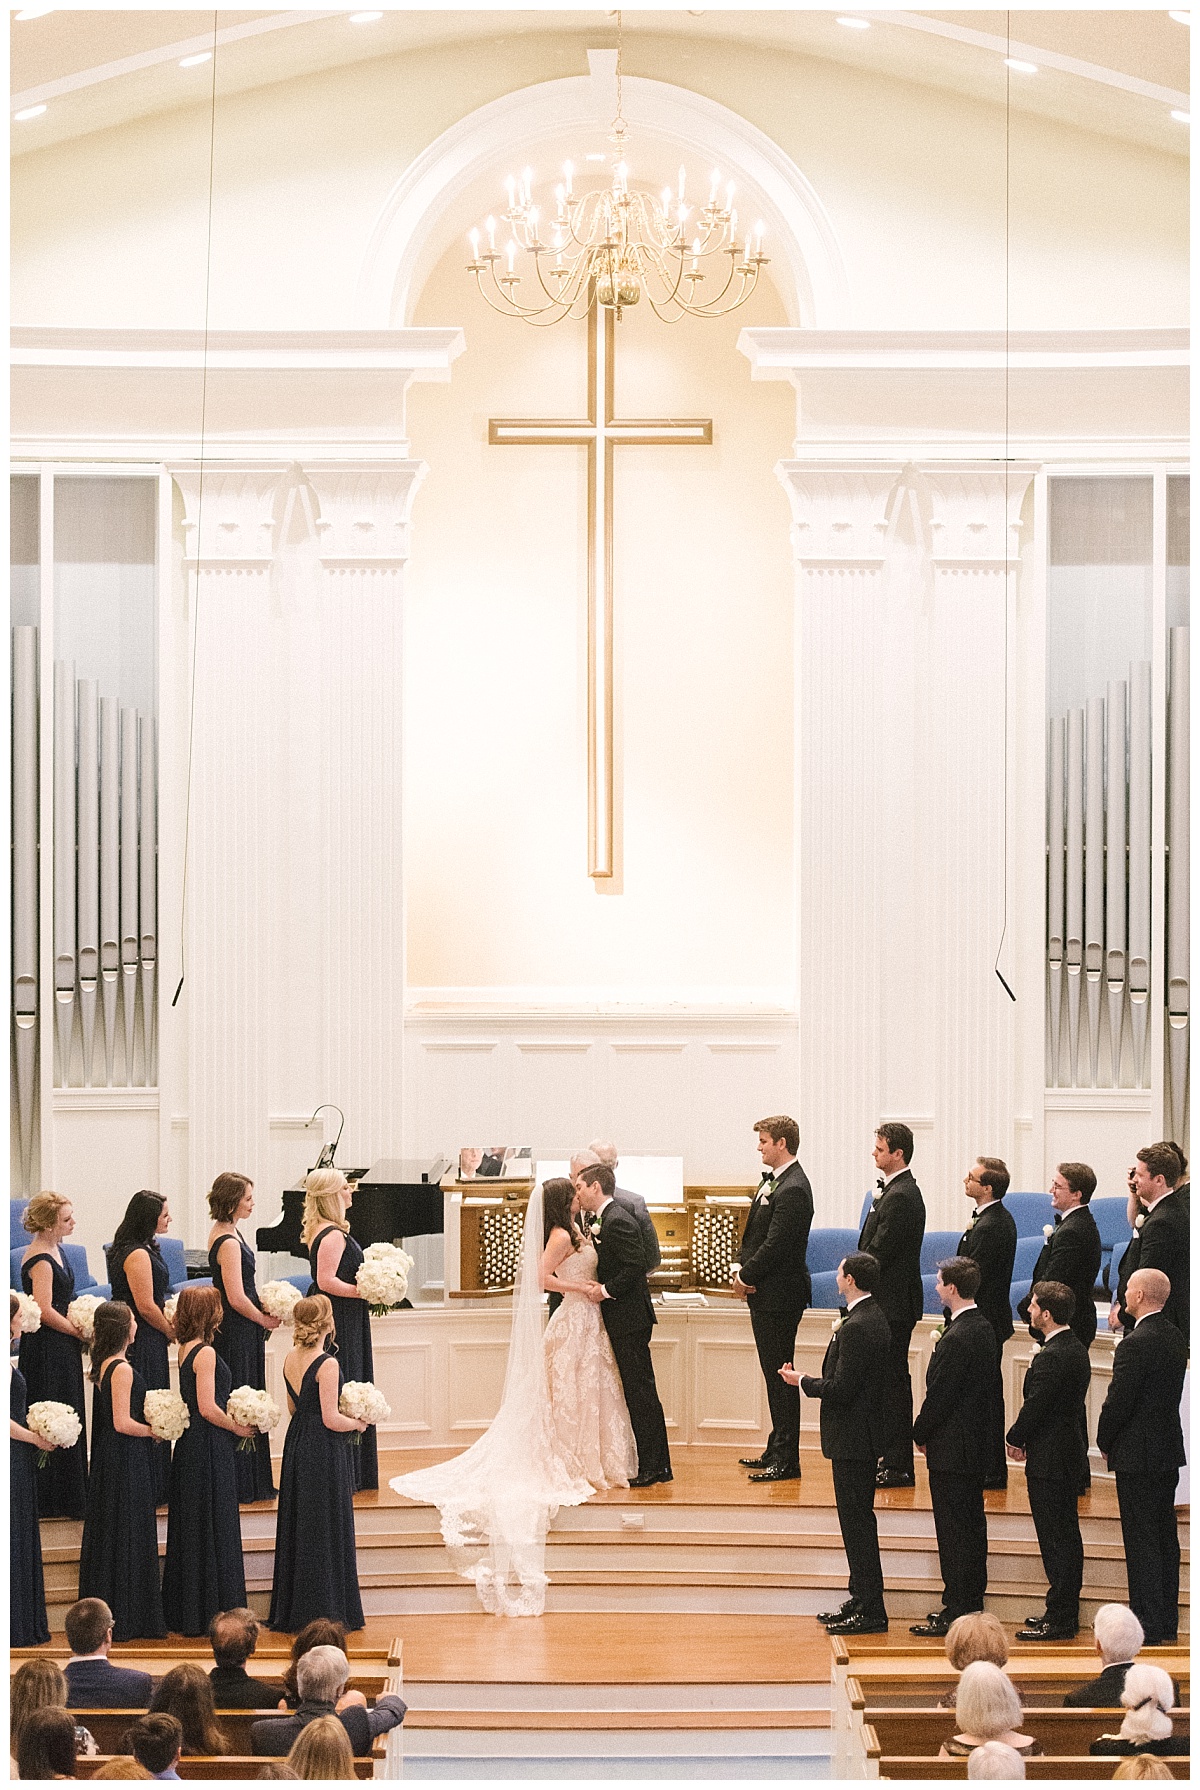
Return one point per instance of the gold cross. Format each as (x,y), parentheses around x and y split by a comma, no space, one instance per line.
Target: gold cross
(600,430)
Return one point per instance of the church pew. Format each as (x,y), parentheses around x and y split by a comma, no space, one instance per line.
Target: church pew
(922,1731)
(229,1767)
(1061,1766)
(268,1660)
(108,1726)
(1038,1689)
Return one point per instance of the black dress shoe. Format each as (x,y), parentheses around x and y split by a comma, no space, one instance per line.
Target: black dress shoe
(859,1624)
(758,1460)
(890,1478)
(644,1479)
(773,1473)
(1036,1621)
(849,1608)
(1043,1632)
(936,1629)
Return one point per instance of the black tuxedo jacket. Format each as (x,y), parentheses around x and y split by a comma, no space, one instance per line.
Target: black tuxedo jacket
(95,1684)
(1139,1428)
(1072,1256)
(633,1202)
(991,1243)
(954,1423)
(850,1388)
(774,1247)
(893,1234)
(1050,1423)
(621,1271)
(235,1688)
(1165,1242)
(1099,1693)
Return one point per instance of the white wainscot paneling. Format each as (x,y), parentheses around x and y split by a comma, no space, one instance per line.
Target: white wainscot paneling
(106,1146)
(669,1352)
(728,1389)
(1105,1127)
(475,1381)
(457,1093)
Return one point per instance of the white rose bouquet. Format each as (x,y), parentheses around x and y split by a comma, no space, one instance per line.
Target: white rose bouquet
(170,1307)
(29,1315)
(166,1414)
(279,1299)
(254,1410)
(383,1278)
(55,1423)
(363,1400)
(82,1313)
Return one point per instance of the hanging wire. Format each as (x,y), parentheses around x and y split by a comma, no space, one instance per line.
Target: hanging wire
(187,813)
(1007,464)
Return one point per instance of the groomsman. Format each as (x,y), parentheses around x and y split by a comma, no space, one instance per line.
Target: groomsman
(893,1234)
(1071,1255)
(990,1241)
(852,1388)
(1141,1435)
(1165,1238)
(1048,1437)
(952,1431)
(772,1277)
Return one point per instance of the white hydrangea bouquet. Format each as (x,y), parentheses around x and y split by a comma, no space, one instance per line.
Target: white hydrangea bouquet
(29,1315)
(166,1414)
(279,1299)
(170,1307)
(383,1278)
(253,1409)
(363,1400)
(54,1422)
(82,1313)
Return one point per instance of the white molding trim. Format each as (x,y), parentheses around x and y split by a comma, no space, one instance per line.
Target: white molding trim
(597,1003)
(105,1100)
(427,352)
(772,351)
(1099,1100)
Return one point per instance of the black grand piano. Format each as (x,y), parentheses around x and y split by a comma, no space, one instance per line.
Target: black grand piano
(391,1200)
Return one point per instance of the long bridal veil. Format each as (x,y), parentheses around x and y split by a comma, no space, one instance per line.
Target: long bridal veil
(496,1501)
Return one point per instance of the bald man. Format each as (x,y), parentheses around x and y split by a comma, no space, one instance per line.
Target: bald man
(1141,1436)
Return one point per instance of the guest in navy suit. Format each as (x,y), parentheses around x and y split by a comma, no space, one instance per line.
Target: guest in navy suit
(92,1683)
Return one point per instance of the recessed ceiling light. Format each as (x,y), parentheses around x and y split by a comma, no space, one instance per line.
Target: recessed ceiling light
(1180,18)
(856,24)
(1022,68)
(195,61)
(29,112)
(1179,117)
(364,18)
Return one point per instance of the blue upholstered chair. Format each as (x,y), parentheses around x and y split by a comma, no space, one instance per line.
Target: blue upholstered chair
(175,1257)
(826,1248)
(76,1255)
(16,1230)
(1112,1221)
(1030,1212)
(1024,1263)
(825,1295)
(937,1246)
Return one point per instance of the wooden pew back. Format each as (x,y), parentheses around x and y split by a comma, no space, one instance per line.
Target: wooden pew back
(229,1767)
(109,1726)
(922,1731)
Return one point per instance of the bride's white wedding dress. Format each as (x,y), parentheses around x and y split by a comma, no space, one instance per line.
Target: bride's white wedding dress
(562,1431)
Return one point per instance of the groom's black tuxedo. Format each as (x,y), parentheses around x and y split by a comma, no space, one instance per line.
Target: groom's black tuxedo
(629,1319)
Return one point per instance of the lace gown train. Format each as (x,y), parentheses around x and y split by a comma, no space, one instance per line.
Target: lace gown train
(587,1405)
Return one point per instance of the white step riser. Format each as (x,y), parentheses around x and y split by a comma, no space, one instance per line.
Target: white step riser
(583,1700)
(703,1743)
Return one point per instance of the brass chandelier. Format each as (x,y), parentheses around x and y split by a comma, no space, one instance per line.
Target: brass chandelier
(613,247)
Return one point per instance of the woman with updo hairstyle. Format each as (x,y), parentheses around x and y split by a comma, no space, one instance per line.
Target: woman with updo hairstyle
(47,1748)
(52,1357)
(335,1259)
(118,1557)
(26,1587)
(241,1341)
(141,1280)
(203,1574)
(316,1570)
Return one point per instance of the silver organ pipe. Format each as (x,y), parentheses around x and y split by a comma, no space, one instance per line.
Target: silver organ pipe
(148,860)
(1056,887)
(1074,883)
(64,862)
(1178,880)
(1093,877)
(88,888)
(1114,924)
(25,886)
(1139,863)
(129,879)
(110,872)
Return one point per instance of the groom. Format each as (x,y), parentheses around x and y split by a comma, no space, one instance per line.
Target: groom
(624,1300)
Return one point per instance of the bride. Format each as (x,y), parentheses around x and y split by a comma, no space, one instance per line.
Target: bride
(562,1430)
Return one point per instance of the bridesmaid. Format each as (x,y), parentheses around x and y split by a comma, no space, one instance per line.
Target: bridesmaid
(203,1573)
(52,1357)
(26,1593)
(118,1559)
(316,1573)
(140,1279)
(242,1339)
(335,1259)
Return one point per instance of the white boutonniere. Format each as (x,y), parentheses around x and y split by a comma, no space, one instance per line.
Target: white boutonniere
(1139,1221)
(837,1324)
(939,1330)
(971,1221)
(1047,1231)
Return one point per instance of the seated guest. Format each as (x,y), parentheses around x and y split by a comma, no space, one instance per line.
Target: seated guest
(92,1683)
(47,1748)
(322,1751)
(988,1708)
(995,1761)
(120,1768)
(186,1694)
(978,1635)
(38,1684)
(278,1768)
(320,1633)
(233,1636)
(1148,1699)
(321,1675)
(156,1742)
(1118,1640)
(1142,1765)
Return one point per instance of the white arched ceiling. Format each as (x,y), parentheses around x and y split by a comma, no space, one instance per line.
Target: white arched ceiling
(425,210)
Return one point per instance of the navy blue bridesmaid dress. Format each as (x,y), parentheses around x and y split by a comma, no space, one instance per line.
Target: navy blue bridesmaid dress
(243,1344)
(352,1334)
(203,1573)
(53,1368)
(316,1572)
(26,1593)
(148,1352)
(118,1559)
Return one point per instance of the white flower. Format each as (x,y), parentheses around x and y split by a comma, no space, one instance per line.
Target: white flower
(383,1278)
(255,1410)
(363,1400)
(166,1414)
(939,1330)
(1139,1221)
(30,1314)
(279,1299)
(170,1307)
(54,1422)
(836,1326)
(1047,1231)
(82,1313)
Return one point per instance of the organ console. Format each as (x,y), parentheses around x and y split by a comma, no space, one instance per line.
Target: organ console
(392,1200)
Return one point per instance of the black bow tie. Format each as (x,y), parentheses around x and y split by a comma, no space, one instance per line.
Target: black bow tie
(1058,1218)
(843,1311)
(879,1183)
(768,1181)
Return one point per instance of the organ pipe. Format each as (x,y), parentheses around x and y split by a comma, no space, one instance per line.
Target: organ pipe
(64,861)
(1114,925)
(1074,883)
(1055,887)
(129,879)
(88,885)
(110,872)
(25,886)
(1139,863)
(1178,845)
(1093,877)
(148,862)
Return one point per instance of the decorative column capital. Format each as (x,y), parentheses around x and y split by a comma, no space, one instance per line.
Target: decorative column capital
(839,510)
(363,510)
(962,514)
(974,510)
(229,511)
